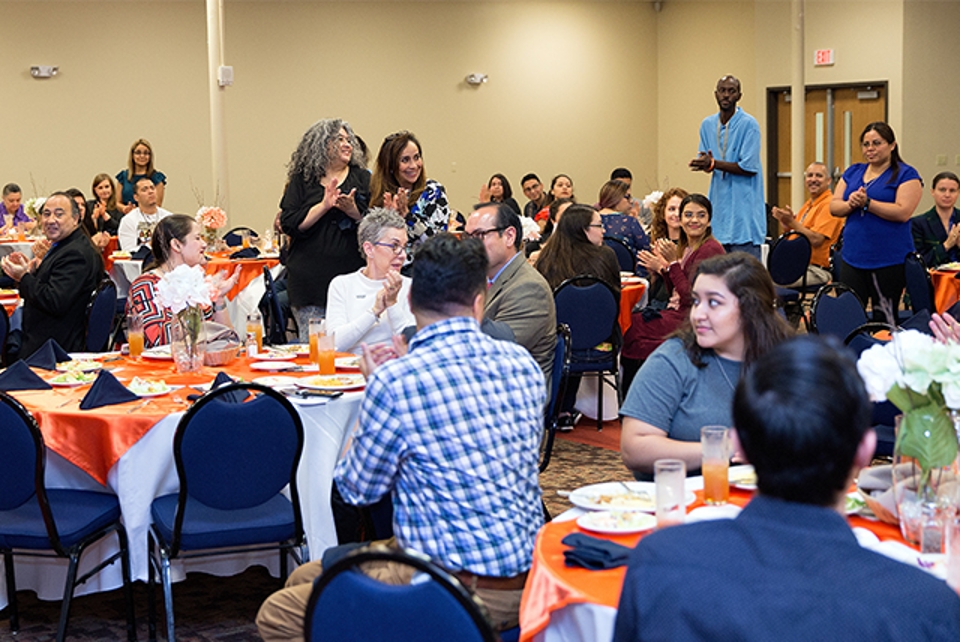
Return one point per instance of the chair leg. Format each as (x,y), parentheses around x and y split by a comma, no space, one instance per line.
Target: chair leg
(127,584)
(599,401)
(167,593)
(283,565)
(11,591)
(151,590)
(68,596)
(546,512)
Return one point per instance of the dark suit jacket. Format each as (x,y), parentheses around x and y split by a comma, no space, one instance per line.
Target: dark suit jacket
(55,297)
(929,235)
(522,299)
(781,571)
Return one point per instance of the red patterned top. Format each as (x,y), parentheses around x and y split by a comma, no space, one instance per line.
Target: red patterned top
(157,319)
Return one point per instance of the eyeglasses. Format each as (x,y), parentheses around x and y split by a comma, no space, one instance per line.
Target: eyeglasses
(482,234)
(396,248)
(600,225)
(698,215)
(874,143)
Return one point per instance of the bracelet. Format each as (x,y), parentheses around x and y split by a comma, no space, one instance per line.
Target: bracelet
(219,305)
(713,163)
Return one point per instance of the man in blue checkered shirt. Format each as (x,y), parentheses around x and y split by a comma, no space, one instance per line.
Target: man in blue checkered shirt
(452,431)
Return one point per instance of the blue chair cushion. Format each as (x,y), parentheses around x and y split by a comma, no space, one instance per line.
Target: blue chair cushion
(205,527)
(788,294)
(77,514)
(591,360)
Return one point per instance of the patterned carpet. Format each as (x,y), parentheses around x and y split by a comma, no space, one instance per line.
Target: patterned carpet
(222,609)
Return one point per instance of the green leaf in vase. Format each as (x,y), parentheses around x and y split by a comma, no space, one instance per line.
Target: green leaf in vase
(927,434)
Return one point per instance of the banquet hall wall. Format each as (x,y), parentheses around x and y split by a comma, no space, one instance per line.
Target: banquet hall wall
(577,87)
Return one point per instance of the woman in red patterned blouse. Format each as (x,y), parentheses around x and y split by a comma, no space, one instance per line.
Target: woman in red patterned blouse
(177,240)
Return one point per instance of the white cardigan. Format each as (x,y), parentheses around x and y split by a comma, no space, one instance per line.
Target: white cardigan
(350,300)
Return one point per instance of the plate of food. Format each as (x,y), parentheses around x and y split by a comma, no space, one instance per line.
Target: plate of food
(6,293)
(276,353)
(273,366)
(160,353)
(616,522)
(120,255)
(347,363)
(72,379)
(149,387)
(276,381)
(81,365)
(953,266)
(743,477)
(332,382)
(94,356)
(628,496)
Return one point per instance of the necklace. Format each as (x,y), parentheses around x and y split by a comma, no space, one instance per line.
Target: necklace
(726,138)
(723,371)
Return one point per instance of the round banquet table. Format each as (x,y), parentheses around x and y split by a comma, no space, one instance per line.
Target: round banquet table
(568,604)
(946,288)
(131,453)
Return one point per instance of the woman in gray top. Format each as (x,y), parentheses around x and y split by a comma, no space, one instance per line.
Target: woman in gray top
(688,382)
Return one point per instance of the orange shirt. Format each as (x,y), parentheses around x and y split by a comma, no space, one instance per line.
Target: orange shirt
(815,216)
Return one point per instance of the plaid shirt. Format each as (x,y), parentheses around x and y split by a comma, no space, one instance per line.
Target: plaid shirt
(453,429)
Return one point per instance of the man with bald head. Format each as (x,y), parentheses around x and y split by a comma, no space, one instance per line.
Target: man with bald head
(730,152)
(56,289)
(814,222)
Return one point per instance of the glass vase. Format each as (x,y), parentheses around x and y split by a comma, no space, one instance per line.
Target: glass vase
(188,341)
(925,498)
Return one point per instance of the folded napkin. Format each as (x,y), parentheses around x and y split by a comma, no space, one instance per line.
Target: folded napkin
(246,253)
(593,553)
(106,391)
(223,379)
(47,356)
(142,253)
(19,376)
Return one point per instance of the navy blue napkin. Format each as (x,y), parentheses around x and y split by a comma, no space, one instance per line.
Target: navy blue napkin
(47,356)
(223,379)
(593,553)
(246,253)
(142,253)
(106,391)
(19,376)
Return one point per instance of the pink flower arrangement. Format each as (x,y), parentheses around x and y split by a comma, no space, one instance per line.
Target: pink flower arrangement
(212,218)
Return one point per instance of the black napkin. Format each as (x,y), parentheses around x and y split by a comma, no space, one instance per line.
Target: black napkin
(142,253)
(246,253)
(106,391)
(223,379)
(19,376)
(47,356)
(593,553)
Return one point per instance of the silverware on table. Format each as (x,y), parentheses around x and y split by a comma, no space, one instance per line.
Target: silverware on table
(139,405)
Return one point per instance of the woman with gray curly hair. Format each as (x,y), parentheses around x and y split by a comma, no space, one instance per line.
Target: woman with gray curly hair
(372,304)
(328,190)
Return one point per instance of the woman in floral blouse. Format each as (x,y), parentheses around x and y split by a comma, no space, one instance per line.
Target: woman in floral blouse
(399,183)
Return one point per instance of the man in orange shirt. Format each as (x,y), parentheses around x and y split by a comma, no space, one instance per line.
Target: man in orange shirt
(814,222)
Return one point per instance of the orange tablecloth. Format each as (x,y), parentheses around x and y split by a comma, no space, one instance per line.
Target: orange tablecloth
(552,585)
(946,289)
(10,304)
(629,296)
(250,269)
(94,440)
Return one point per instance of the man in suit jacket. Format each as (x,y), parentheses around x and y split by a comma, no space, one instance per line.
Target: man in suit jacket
(56,290)
(788,567)
(517,296)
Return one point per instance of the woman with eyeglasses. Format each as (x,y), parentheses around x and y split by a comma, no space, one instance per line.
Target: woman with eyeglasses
(139,165)
(877,198)
(615,212)
(372,304)
(399,183)
(676,265)
(328,190)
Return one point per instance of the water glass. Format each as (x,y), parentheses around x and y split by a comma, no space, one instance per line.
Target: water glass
(715,453)
(669,476)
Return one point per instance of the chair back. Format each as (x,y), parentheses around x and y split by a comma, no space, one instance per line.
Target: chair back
(868,335)
(590,307)
(237,455)
(434,607)
(100,313)
(625,257)
(788,258)
(22,464)
(919,283)
(4,333)
(561,367)
(233,237)
(276,321)
(837,311)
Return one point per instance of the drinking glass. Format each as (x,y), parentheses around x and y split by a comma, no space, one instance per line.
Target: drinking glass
(670,476)
(715,453)
(135,335)
(317,329)
(255,325)
(951,536)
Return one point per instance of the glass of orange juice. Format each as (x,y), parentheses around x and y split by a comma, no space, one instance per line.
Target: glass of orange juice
(135,334)
(715,457)
(326,355)
(317,329)
(255,325)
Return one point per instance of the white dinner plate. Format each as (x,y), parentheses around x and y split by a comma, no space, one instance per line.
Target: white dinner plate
(160,353)
(157,393)
(332,382)
(93,356)
(743,477)
(276,381)
(69,384)
(275,355)
(347,363)
(631,280)
(616,522)
(83,365)
(613,496)
(273,366)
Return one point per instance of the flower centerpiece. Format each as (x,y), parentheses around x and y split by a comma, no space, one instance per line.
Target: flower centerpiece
(921,377)
(185,291)
(211,219)
(34,206)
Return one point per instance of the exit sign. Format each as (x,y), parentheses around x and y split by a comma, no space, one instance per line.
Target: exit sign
(822,57)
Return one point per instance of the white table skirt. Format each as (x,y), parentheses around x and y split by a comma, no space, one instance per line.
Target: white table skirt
(147,471)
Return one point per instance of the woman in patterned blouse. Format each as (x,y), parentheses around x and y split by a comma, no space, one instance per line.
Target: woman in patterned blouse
(399,183)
